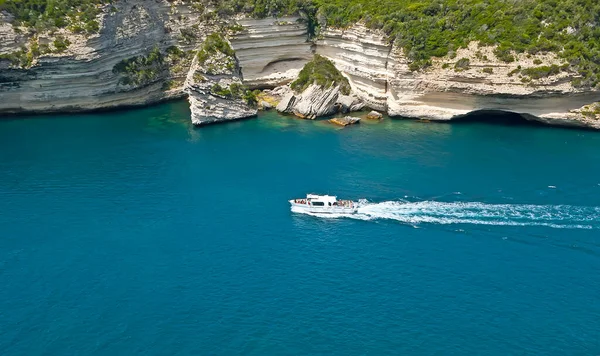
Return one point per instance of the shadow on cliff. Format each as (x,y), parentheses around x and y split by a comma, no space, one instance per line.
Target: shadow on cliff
(496,117)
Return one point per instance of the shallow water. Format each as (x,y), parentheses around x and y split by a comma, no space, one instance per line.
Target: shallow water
(134,233)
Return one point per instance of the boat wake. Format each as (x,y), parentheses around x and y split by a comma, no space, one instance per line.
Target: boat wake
(431,212)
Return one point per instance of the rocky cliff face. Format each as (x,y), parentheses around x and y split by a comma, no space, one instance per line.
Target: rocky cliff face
(83,77)
(145,52)
(474,79)
(362,56)
(271,51)
(215,89)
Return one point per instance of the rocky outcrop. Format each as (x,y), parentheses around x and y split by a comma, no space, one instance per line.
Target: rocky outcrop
(473,79)
(587,116)
(271,51)
(362,56)
(211,98)
(317,101)
(120,66)
(445,90)
(345,121)
(374,115)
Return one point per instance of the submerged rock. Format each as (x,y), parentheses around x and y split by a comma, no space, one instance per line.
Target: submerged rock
(345,121)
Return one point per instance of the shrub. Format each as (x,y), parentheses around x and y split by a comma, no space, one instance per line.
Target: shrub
(504,55)
(218,90)
(43,14)
(322,72)
(488,70)
(514,71)
(175,51)
(251,97)
(140,70)
(541,72)
(214,43)
(61,44)
(462,64)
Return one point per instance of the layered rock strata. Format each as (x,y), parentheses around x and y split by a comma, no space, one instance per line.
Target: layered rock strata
(215,91)
(119,67)
(362,56)
(317,101)
(82,77)
(271,51)
(472,79)
(445,91)
(587,116)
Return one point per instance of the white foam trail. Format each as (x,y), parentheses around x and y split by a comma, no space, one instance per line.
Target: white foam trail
(414,213)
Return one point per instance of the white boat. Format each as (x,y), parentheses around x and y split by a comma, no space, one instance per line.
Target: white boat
(324,204)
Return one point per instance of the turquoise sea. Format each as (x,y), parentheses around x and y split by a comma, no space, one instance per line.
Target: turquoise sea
(133,233)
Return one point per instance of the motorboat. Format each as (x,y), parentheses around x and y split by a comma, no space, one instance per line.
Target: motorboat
(323,204)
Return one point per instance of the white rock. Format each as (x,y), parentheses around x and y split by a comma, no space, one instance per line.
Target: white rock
(374,115)
(362,56)
(271,51)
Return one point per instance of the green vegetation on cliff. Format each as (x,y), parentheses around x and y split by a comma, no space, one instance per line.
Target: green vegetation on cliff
(141,70)
(262,8)
(320,71)
(78,15)
(216,55)
(236,91)
(437,28)
(154,65)
(213,44)
(424,29)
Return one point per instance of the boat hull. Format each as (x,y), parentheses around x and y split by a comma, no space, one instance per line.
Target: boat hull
(322,209)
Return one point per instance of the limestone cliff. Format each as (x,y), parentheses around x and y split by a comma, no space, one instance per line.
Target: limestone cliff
(362,56)
(473,79)
(83,76)
(213,85)
(271,51)
(145,51)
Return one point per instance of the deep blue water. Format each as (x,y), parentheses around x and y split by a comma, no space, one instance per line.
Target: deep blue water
(134,233)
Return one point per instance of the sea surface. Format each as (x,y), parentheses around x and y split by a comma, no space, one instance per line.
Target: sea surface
(134,233)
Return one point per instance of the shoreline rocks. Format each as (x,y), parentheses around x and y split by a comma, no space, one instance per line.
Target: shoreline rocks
(345,121)
(374,115)
(317,101)
(270,52)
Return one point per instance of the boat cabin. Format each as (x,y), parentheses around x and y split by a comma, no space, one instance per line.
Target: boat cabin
(323,201)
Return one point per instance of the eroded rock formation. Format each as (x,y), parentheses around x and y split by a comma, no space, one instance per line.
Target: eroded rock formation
(317,101)
(145,52)
(83,76)
(271,51)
